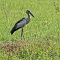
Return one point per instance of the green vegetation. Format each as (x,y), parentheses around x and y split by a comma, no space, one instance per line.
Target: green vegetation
(41,34)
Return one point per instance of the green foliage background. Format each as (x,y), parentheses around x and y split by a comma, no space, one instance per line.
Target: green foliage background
(44,27)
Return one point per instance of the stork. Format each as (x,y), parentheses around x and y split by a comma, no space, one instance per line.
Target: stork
(21,23)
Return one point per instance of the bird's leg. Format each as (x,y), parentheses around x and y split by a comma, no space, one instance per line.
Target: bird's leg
(22,34)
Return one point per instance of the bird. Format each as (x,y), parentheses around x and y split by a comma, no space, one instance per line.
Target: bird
(22,22)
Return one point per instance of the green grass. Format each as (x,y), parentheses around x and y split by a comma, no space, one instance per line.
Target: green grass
(42,33)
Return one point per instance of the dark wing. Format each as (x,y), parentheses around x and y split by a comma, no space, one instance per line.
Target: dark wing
(20,20)
(21,23)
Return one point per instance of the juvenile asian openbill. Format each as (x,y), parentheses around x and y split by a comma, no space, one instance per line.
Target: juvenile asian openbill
(22,22)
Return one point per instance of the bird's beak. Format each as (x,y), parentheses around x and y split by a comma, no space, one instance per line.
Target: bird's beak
(32,14)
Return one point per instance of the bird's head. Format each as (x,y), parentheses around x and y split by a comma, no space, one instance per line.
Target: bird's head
(29,12)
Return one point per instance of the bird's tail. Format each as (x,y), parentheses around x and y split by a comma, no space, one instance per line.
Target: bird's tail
(13,30)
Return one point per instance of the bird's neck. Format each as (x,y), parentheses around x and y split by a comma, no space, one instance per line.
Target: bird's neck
(29,17)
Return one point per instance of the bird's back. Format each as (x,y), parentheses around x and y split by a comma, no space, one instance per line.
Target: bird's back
(20,24)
